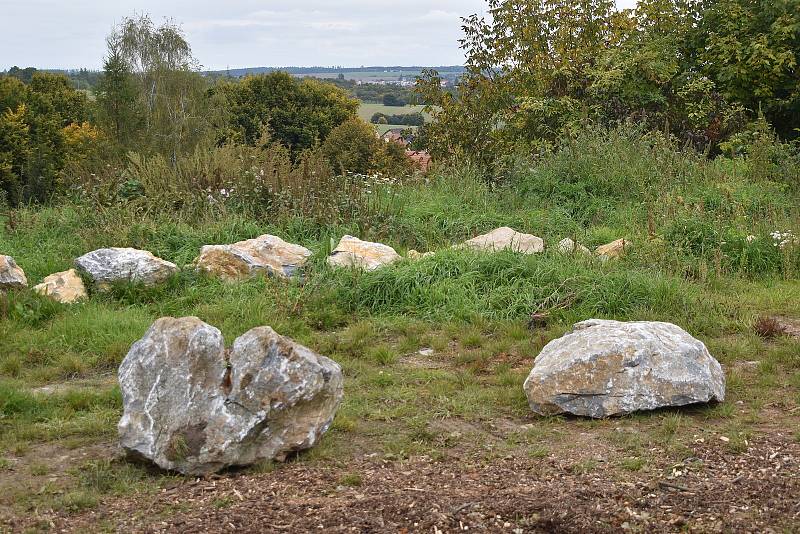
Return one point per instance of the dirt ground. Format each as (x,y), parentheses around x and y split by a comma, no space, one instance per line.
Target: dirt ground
(712,490)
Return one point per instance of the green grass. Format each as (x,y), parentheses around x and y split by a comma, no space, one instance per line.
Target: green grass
(472,309)
(366,111)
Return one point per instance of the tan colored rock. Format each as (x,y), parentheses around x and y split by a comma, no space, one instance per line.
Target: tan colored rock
(415,255)
(506,238)
(615,249)
(265,254)
(353,252)
(603,368)
(568,246)
(11,275)
(65,287)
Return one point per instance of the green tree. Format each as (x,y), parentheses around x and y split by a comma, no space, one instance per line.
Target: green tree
(54,94)
(391,99)
(117,98)
(171,95)
(751,50)
(15,151)
(297,113)
(352,147)
(33,147)
(12,93)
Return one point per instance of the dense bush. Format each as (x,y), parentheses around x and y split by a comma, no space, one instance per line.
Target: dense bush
(406,119)
(537,71)
(298,113)
(42,127)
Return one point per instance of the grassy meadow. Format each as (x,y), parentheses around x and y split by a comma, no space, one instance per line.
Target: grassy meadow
(367,110)
(702,257)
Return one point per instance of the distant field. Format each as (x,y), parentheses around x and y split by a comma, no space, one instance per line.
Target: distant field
(366,111)
(370,76)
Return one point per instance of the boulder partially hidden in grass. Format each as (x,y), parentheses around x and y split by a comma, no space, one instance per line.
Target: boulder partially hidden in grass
(193,407)
(603,368)
(65,287)
(266,254)
(415,255)
(568,246)
(109,265)
(352,252)
(612,250)
(505,238)
(11,275)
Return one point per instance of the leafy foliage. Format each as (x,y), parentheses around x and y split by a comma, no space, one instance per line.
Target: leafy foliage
(297,113)
(539,70)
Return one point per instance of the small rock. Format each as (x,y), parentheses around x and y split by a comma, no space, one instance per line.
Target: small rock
(568,246)
(414,255)
(603,368)
(612,250)
(425,352)
(65,287)
(353,252)
(506,238)
(11,275)
(192,406)
(265,254)
(108,265)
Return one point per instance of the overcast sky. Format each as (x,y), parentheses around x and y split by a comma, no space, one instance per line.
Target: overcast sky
(245,33)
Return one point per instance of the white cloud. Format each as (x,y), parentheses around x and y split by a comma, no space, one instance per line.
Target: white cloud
(245,33)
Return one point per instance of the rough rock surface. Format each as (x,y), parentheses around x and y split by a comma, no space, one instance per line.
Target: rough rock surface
(603,368)
(11,275)
(352,252)
(191,406)
(615,249)
(108,265)
(65,287)
(568,246)
(416,255)
(506,238)
(265,254)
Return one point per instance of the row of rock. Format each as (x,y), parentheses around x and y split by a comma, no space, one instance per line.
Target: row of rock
(266,254)
(191,405)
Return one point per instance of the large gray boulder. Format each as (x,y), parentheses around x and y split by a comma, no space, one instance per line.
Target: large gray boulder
(603,368)
(266,254)
(191,406)
(11,274)
(108,265)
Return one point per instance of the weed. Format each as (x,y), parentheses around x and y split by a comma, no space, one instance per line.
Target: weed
(633,464)
(382,355)
(76,501)
(584,467)
(769,327)
(222,502)
(538,452)
(352,480)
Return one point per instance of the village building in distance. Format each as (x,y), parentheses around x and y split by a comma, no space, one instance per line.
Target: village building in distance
(404,137)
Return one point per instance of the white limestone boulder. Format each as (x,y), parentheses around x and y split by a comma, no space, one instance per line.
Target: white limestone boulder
(192,406)
(11,275)
(505,238)
(109,265)
(604,368)
(568,246)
